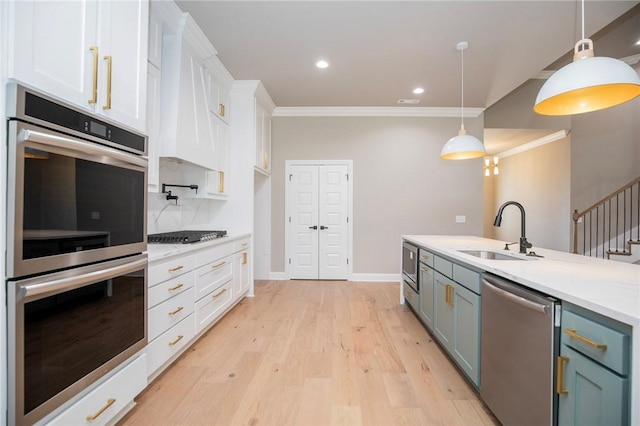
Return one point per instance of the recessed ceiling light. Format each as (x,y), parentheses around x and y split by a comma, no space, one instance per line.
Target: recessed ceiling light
(322,64)
(418,90)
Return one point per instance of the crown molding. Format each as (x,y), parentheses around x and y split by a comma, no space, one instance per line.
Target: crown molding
(533,144)
(375,112)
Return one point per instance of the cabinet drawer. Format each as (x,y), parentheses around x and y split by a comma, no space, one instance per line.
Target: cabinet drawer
(114,394)
(170,343)
(584,334)
(211,276)
(241,244)
(426,257)
(162,271)
(169,313)
(411,296)
(212,305)
(443,266)
(468,278)
(167,289)
(215,253)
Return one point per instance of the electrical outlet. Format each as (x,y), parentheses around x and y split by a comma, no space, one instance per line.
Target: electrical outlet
(461,219)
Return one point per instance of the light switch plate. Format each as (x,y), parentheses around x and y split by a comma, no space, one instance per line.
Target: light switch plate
(461,219)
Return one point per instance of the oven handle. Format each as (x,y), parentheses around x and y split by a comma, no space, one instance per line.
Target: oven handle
(80,146)
(68,283)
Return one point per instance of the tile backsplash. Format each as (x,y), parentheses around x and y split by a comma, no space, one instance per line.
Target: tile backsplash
(171,215)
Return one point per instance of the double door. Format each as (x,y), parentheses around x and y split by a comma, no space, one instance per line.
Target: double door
(318,198)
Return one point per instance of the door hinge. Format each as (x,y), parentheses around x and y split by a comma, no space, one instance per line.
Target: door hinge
(289,261)
(347,219)
(347,260)
(290,176)
(347,176)
(289,219)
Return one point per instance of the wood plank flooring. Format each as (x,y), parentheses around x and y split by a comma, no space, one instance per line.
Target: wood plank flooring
(313,353)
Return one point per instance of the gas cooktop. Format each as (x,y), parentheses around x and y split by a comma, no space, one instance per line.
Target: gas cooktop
(184,237)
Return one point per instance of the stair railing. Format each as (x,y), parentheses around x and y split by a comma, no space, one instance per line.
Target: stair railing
(609,226)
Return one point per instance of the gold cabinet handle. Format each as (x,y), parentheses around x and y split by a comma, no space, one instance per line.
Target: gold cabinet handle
(218,294)
(244,258)
(177,268)
(176,311)
(219,265)
(221,182)
(446,294)
(109,403)
(176,287)
(424,269)
(560,375)
(175,342)
(244,244)
(424,257)
(94,93)
(109,60)
(572,332)
(221,110)
(265,160)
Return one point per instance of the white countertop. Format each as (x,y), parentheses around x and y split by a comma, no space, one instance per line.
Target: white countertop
(162,251)
(608,287)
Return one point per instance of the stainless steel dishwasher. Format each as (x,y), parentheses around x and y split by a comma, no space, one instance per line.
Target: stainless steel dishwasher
(520,341)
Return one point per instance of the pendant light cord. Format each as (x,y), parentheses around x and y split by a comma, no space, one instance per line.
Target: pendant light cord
(462,95)
(582,20)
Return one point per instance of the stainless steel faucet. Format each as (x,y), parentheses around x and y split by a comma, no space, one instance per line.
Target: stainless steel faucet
(524,244)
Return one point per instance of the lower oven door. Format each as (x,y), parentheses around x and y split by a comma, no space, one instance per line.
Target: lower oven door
(68,329)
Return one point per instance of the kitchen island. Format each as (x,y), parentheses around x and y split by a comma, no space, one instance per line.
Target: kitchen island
(608,288)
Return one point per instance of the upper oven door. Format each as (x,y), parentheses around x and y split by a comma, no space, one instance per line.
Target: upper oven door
(71,201)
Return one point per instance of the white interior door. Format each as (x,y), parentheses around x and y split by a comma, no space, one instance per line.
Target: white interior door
(303,199)
(319,221)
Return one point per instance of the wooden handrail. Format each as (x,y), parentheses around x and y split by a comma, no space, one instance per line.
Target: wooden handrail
(577,215)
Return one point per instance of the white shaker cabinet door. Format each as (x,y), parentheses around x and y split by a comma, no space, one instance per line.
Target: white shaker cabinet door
(123,41)
(50,47)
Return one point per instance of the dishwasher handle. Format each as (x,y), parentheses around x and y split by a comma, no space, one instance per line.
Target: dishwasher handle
(538,307)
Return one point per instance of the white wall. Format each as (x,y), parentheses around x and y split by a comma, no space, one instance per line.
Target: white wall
(539,179)
(400,184)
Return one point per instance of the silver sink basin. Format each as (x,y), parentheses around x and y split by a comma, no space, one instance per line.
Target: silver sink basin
(492,255)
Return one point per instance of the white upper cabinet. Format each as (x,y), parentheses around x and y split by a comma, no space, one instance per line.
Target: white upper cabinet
(187,130)
(219,88)
(91,54)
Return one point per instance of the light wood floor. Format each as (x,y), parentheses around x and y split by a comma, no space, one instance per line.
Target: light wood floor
(313,353)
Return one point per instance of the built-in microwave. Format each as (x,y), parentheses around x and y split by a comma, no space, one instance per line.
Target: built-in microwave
(77,188)
(410,265)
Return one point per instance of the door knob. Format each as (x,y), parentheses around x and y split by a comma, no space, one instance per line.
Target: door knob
(313,227)
(323,227)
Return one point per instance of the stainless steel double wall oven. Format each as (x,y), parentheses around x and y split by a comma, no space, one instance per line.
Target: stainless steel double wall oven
(76,233)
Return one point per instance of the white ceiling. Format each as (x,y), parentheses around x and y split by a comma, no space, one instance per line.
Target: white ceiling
(380,50)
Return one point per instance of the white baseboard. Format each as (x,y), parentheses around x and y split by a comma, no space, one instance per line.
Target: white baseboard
(279,276)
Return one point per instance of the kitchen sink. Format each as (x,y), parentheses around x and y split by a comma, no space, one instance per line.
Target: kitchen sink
(491,255)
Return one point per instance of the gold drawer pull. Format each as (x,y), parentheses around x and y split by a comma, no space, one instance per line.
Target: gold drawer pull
(177,268)
(94,90)
(218,294)
(572,332)
(559,379)
(244,244)
(424,257)
(221,110)
(109,60)
(176,287)
(219,265)
(221,182)
(424,269)
(175,342)
(176,311)
(110,402)
(244,258)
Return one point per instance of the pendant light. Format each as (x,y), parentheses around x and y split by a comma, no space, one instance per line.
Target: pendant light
(462,146)
(588,83)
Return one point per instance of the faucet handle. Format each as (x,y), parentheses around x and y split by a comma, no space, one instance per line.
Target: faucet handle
(506,246)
